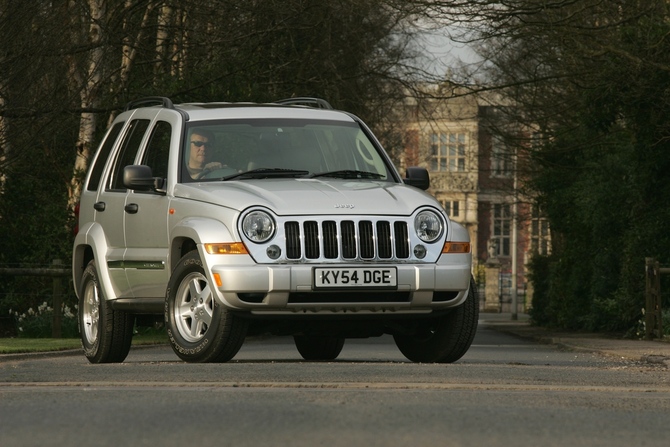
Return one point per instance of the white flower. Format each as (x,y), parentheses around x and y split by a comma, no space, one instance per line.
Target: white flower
(67,312)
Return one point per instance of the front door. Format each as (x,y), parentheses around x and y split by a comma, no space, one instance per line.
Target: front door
(146,219)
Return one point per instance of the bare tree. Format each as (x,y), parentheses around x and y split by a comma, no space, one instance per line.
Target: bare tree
(588,80)
(68,67)
(86,74)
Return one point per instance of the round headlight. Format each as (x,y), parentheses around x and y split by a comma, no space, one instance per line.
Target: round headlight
(258,226)
(428,226)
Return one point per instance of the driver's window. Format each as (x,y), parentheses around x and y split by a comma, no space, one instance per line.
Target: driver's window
(158,149)
(199,152)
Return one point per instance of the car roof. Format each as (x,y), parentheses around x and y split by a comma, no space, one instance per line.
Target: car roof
(208,111)
(296,108)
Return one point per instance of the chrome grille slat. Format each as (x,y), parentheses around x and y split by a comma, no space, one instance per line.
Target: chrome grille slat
(293,240)
(330,249)
(332,240)
(366,240)
(348,240)
(384,240)
(312,240)
(401,238)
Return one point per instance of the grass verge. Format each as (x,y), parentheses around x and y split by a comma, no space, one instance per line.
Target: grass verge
(23,345)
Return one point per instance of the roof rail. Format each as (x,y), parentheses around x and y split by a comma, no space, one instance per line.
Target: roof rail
(306,101)
(150,101)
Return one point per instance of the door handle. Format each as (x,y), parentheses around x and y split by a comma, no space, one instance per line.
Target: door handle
(99,206)
(132,208)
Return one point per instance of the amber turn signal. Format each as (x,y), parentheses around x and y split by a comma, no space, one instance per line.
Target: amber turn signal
(456,247)
(231,248)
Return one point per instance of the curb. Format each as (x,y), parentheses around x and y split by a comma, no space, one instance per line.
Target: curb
(62,353)
(587,343)
(657,359)
(39,355)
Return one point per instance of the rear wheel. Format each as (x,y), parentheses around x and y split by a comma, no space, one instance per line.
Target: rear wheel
(318,348)
(106,334)
(444,339)
(198,328)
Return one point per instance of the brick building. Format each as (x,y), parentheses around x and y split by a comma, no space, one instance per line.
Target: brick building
(475,176)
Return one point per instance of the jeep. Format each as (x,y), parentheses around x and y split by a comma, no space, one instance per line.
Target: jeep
(224,220)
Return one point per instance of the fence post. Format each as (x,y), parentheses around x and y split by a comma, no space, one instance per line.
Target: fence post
(652,315)
(57,290)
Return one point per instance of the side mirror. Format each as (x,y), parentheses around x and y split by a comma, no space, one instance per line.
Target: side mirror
(417,177)
(140,178)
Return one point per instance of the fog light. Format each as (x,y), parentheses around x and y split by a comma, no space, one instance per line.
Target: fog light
(420,251)
(273,252)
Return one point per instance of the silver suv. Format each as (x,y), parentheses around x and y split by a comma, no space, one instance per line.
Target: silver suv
(234,219)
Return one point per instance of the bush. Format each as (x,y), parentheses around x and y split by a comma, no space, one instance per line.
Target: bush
(539,269)
(39,323)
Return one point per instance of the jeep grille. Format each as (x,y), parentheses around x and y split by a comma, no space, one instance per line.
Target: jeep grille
(347,240)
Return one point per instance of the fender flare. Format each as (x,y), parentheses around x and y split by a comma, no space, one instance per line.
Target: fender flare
(200,230)
(93,236)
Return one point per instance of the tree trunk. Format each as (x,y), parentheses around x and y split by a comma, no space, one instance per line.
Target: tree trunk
(179,45)
(130,41)
(88,87)
(162,39)
(4,141)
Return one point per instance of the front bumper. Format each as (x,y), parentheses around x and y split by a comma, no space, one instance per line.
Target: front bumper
(288,289)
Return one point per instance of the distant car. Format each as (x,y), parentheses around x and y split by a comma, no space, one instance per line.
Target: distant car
(293,221)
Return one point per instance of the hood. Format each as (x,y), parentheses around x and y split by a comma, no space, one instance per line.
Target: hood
(310,196)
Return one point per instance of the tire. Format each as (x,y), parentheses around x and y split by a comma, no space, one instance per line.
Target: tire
(200,330)
(106,334)
(444,339)
(318,348)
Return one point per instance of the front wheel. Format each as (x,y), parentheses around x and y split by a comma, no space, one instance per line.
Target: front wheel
(198,328)
(106,334)
(318,348)
(443,339)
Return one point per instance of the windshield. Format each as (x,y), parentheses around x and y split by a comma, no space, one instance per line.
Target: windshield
(270,148)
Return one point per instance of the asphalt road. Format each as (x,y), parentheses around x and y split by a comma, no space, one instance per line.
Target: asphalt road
(505,391)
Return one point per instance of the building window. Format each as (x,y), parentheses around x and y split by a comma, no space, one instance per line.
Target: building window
(540,240)
(501,159)
(502,228)
(452,207)
(447,151)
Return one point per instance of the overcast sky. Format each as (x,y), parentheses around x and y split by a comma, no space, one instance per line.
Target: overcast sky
(443,54)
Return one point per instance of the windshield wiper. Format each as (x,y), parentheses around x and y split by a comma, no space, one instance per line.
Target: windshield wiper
(267,173)
(348,174)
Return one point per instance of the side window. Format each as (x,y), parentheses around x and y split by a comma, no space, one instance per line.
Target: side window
(158,149)
(101,159)
(129,147)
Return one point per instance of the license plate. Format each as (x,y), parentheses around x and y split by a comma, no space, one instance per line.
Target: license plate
(363,277)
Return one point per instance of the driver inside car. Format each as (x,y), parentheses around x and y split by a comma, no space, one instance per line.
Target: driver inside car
(200,142)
